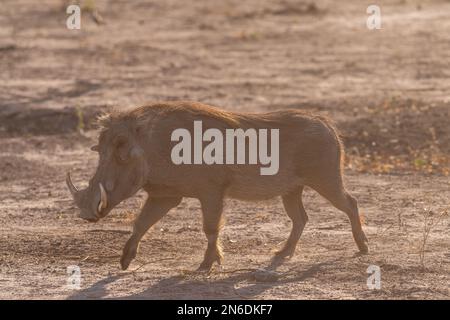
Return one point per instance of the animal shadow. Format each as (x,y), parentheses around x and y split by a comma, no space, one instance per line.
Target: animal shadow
(198,286)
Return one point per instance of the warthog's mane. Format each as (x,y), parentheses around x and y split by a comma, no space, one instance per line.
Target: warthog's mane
(142,116)
(147,115)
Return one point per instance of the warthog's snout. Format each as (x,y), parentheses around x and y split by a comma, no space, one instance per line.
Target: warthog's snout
(90,210)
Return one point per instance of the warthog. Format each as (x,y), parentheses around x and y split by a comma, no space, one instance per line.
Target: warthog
(135,153)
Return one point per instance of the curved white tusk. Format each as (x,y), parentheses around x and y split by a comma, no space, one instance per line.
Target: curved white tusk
(73,190)
(103,199)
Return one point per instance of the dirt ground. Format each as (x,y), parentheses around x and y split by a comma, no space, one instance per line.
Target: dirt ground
(387,90)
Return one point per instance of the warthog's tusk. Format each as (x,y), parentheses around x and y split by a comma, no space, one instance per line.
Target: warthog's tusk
(73,190)
(103,199)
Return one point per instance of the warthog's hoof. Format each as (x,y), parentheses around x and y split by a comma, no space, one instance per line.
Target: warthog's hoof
(129,253)
(286,252)
(124,263)
(208,261)
(363,245)
(204,267)
(363,248)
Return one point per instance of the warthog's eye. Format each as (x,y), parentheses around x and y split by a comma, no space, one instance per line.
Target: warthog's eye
(121,147)
(120,141)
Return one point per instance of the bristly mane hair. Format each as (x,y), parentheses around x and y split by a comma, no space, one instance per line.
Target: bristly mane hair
(143,113)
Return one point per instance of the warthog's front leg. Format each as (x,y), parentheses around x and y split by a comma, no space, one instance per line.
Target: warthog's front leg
(293,205)
(153,210)
(212,207)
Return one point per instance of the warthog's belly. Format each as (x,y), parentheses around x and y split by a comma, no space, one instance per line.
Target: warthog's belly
(258,187)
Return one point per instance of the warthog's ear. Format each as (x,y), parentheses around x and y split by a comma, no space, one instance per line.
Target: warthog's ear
(94,148)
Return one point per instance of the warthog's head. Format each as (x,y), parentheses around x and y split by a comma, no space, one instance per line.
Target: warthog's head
(121,171)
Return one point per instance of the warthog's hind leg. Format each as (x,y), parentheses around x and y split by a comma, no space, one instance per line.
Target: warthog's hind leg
(335,192)
(212,207)
(294,208)
(153,210)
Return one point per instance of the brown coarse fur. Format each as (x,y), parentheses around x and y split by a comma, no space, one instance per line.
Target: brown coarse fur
(135,153)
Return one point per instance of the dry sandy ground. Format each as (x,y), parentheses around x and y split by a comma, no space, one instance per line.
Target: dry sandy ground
(388,91)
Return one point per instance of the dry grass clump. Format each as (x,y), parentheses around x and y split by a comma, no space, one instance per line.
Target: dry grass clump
(400,136)
(430,221)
